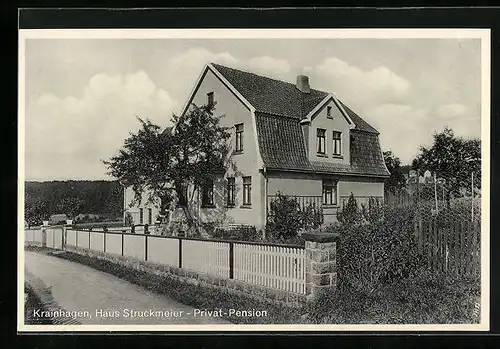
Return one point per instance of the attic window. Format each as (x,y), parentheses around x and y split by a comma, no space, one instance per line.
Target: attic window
(329,112)
(210,99)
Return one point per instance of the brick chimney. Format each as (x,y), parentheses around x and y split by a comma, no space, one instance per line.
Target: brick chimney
(303,84)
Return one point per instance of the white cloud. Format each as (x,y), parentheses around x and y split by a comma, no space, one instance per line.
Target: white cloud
(403,129)
(68,137)
(379,85)
(183,69)
(265,65)
(450,111)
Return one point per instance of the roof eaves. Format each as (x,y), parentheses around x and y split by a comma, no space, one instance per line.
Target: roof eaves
(350,173)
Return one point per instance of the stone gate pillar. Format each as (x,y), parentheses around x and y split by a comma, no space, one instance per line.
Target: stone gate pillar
(321,262)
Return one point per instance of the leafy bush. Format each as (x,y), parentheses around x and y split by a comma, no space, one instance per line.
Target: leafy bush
(350,214)
(311,217)
(240,233)
(284,217)
(377,246)
(129,220)
(287,218)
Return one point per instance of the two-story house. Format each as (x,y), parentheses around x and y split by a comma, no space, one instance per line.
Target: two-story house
(286,138)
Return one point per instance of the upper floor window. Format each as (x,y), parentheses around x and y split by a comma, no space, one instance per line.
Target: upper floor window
(239,138)
(321,140)
(230,191)
(329,192)
(337,143)
(207,198)
(210,99)
(247,191)
(329,111)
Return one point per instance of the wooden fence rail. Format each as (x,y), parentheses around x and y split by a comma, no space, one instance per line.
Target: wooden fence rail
(451,246)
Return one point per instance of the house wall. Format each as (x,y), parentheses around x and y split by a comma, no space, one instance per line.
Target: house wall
(337,123)
(297,184)
(134,210)
(362,188)
(241,165)
(300,184)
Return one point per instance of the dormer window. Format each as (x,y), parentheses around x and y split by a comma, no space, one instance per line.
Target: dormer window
(337,143)
(329,112)
(321,141)
(210,99)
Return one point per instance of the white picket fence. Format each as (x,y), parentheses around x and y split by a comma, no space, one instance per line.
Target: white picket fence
(282,268)
(209,257)
(273,266)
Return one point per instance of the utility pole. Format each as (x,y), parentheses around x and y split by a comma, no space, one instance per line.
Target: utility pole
(435,192)
(472,200)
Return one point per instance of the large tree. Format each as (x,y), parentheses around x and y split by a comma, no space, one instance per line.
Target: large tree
(163,164)
(36,210)
(453,159)
(397,180)
(71,206)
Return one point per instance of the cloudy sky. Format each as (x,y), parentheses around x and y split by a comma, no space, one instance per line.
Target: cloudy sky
(83,95)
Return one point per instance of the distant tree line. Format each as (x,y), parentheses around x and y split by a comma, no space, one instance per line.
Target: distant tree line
(42,199)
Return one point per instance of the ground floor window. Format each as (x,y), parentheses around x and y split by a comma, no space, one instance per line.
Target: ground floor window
(182,195)
(141,216)
(230,191)
(247,191)
(329,192)
(207,199)
(150,216)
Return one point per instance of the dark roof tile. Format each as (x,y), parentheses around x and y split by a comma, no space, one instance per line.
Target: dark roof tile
(270,95)
(277,97)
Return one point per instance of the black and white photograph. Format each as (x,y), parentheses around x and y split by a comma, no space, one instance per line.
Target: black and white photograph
(195,179)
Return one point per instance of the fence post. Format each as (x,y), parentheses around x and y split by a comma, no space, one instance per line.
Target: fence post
(63,237)
(180,253)
(44,233)
(321,262)
(104,242)
(145,247)
(122,242)
(231,260)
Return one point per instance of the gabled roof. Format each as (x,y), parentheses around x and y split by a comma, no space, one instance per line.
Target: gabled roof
(279,106)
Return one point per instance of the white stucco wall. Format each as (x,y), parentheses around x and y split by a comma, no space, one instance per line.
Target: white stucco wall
(144,204)
(241,165)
